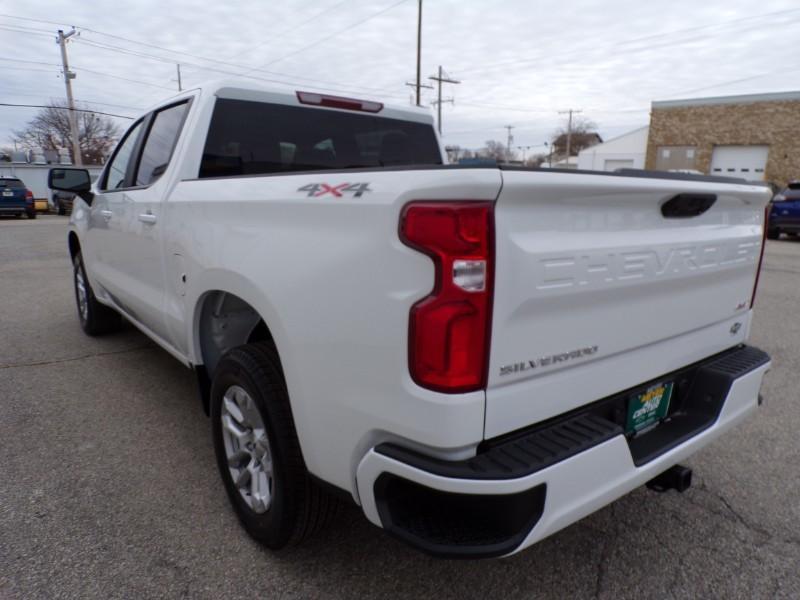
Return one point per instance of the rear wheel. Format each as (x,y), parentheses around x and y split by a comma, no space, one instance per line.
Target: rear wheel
(31,214)
(60,209)
(95,318)
(773,234)
(258,453)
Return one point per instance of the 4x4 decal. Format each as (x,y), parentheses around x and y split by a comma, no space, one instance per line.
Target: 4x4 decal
(320,189)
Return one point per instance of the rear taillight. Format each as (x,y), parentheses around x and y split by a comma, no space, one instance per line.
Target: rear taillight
(28,195)
(761,254)
(449,330)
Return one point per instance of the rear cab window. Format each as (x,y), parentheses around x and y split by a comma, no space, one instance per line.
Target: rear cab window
(250,138)
(10,183)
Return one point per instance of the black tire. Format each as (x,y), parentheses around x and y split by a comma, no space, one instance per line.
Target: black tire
(773,234)
(31,214)
(18,215)
(299,507)
(60,209)
(98,318)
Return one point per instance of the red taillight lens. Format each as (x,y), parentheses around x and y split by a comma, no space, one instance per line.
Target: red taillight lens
(28,195)
(761,255)
(449,330)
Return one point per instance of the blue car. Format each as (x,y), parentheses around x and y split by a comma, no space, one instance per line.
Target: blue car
(784,216)
(15,198)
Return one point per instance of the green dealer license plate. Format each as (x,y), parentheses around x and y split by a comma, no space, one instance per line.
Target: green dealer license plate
(648,407)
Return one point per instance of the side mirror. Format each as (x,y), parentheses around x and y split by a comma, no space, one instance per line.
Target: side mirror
(76,181)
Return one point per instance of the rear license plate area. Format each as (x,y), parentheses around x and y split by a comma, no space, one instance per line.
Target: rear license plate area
(648,407)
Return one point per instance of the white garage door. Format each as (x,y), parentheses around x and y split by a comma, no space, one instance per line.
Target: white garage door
(747,162)
(618,163)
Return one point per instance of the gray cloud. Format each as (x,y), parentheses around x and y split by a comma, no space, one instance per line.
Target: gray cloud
(520,61)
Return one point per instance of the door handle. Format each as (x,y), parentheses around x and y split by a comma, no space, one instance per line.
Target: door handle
(148,218)
(107,214)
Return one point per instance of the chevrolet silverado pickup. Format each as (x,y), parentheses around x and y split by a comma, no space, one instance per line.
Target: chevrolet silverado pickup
(475,356)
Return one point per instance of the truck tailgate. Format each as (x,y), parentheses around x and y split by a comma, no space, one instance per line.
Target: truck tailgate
(596,291)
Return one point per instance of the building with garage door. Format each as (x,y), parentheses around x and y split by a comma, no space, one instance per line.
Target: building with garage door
(625,151)
(755,137)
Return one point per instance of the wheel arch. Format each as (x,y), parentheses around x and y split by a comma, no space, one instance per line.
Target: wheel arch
(73,243)
(226,316)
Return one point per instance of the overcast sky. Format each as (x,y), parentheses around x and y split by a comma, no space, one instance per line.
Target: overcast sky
(520,61)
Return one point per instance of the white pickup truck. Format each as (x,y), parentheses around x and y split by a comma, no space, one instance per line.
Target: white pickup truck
(476,356)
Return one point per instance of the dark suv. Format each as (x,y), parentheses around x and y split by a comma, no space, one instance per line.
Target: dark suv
(15,198)
(784,214)
(62,202)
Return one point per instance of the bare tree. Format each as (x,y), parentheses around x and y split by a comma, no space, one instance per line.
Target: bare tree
(49,130)
(496,150)
(453,152)
(536,160)
(584,135)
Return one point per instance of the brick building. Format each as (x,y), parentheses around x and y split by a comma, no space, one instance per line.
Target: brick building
(756,137)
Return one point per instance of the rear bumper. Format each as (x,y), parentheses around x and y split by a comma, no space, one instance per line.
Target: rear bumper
(785,226)
(523,488)
(13,209)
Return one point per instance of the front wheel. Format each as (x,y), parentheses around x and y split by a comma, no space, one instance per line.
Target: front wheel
(95,318)
(773,234)
(258,453)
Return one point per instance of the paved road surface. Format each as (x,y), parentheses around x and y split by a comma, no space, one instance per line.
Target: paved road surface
(108,486)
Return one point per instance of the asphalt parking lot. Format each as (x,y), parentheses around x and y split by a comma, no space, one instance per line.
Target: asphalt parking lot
(108,486)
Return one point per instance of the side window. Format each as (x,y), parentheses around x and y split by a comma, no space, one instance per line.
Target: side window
(118,167)
(160,142)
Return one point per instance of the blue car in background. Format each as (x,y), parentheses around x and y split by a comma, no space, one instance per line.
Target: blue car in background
(784,215)
(15,198)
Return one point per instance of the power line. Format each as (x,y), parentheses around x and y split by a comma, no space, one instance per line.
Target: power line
(613,45)
(333,34)
(84,69)
(26,30)
(29,69)
(293,28)
(112,48)
(137,53)
(29,62)
(86,110)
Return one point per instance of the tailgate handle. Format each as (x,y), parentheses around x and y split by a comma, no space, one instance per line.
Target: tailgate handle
(684,206)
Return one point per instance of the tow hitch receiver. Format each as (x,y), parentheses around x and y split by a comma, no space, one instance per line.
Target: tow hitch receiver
(677,478)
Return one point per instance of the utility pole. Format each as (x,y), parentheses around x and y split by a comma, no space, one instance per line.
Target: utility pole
(418,86)
(180,89)
(419,51)
(509,142)
(442,78)
(569,128)
(68,77)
